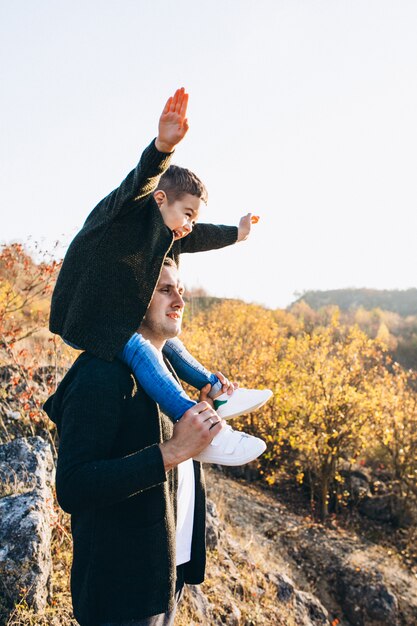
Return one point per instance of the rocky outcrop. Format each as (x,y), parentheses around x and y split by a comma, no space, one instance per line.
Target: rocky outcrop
(339,566)
(358,582)
(26,513)
(366,598)
(307,608)
(388,507)
(377,496)
(244,577)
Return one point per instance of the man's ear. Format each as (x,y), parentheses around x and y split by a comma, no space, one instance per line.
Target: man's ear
(160,196)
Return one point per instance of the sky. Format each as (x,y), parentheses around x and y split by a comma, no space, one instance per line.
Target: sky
(301,111)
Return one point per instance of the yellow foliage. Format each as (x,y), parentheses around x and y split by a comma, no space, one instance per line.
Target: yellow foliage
(327,384)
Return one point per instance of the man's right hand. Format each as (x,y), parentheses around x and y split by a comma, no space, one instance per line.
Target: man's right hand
(173,124)
(192,433)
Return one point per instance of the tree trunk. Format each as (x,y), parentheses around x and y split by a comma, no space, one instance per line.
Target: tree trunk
(324,495)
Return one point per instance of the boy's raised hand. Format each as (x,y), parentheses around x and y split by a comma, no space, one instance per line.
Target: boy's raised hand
(173,124)
(245,225)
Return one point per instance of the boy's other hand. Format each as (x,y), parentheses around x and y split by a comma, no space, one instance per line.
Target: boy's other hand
(173,124)
(227,385)
(245,226)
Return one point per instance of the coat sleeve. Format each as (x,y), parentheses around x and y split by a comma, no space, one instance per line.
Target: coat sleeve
(136,188)
(87,476)
(208,237)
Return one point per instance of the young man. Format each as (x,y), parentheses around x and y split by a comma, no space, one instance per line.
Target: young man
(126,475)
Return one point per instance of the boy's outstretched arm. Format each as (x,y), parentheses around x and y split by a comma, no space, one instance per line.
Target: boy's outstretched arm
(173,124)
(212,237)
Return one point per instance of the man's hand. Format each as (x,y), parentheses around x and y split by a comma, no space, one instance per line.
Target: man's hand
(173,124)
(245,226)
(192,433)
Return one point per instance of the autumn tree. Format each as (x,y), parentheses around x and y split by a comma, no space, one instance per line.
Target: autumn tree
(396,432)
(30,357)
(24,293)
(325,402)
(243,341)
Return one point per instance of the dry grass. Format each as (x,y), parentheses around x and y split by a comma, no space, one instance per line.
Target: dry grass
(237,586)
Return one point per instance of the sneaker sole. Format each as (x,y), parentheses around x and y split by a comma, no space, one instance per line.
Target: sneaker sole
(255,407)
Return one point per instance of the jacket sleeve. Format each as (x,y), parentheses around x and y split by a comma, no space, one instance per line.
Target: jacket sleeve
(87,476)
(208,237)
(138,185)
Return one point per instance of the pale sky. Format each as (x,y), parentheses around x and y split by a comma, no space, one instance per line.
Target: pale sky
(302,111)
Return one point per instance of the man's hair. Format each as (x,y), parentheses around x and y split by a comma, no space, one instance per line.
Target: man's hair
(177,181)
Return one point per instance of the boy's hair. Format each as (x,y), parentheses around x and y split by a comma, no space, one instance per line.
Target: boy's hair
(177,181)
(170,262)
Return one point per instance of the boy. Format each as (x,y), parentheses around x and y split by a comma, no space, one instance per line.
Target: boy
(113,265)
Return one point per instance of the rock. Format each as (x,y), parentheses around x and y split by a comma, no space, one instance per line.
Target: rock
(366,600)
(353,573)
(309,610)
(198,602)
(25,548)
(284,585)
(6,373)
(233,615)
(357,480)
(14,415)
(213,526)
(26,464)
(387,508)
(27,473)
(359,487)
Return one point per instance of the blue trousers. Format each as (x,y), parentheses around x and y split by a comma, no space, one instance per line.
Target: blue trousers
(150,370)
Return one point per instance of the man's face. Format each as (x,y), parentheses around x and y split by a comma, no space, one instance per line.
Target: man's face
(181,215)
(164,315)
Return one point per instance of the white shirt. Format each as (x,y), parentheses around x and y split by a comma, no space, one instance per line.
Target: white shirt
(185,510)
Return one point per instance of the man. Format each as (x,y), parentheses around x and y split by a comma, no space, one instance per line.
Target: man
(125,475)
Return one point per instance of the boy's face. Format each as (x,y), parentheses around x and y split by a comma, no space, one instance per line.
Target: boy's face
(181,215)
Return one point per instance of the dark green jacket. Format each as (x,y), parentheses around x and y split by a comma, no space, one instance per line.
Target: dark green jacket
(112,266)
(111,478)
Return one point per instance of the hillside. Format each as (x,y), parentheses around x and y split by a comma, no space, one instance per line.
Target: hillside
(272,566)
(268,564)
(403,302)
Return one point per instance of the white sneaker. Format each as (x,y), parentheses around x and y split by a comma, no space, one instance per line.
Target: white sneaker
(231,447)
(241,401)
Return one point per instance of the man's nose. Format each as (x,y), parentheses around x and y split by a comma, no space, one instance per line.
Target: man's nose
(188,227)
(178,300)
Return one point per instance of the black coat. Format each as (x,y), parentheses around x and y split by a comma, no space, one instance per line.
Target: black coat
(111,479)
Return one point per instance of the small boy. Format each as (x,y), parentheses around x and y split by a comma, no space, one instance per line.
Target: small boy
(113,265)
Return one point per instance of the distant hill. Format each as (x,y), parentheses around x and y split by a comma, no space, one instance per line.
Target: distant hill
(403,302)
